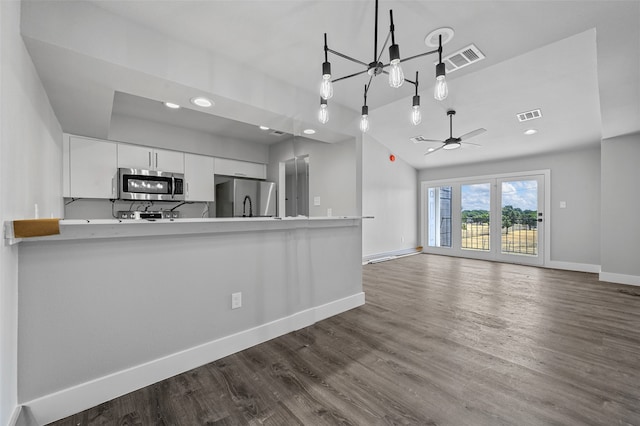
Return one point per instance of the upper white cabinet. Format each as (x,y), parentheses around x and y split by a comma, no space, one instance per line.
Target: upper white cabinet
(238,168)
(199,179)
(90,167)
(142,157)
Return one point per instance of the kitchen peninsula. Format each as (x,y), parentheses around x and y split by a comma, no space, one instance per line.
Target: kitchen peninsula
(108,306)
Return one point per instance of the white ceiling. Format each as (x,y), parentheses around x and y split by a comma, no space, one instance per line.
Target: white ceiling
(578,61)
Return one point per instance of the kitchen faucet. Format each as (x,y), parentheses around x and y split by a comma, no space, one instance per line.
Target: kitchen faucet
(244,207)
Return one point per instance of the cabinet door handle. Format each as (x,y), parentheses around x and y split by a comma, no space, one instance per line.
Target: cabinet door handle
(187,189)
(149,159)
(113,187)
(156,160)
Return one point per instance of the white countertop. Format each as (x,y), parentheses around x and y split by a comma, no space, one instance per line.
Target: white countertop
(76,229)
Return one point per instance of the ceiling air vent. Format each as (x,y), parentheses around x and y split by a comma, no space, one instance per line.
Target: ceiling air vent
(418,139)
(463,57)
(529,115)
(276,133)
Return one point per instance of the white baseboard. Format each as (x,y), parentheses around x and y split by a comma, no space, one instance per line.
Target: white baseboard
(620,278)
(78,398)
(572,266)
(388,255)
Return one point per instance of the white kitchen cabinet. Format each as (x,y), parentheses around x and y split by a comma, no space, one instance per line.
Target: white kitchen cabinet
(199,179)
(238,168)
(143,157)
(90,168)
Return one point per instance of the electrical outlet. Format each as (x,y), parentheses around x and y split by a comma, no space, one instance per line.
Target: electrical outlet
(236,300)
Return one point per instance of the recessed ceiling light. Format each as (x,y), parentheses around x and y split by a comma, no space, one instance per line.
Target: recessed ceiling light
(264,128)
(171,105)
(308,131)
(432,39)
(529,132)
(202,102)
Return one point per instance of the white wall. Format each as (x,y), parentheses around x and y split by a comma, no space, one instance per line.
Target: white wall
(389,193)
(30,158)
(575,179)
(332,173)
(161,135)
(620,226)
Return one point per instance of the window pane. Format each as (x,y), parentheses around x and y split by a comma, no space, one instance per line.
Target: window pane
(439,214)
(476,209)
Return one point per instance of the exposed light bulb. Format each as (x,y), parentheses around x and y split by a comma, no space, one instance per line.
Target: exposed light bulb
(441,91)
(364,123)
(323,114)
(396,75)
(326,88)
(416,115)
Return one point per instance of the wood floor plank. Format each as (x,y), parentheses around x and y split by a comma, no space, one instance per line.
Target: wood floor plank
(440,341)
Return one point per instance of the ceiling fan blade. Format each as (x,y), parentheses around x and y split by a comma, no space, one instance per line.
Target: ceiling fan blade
(472,134)
(434,150)
(471,143)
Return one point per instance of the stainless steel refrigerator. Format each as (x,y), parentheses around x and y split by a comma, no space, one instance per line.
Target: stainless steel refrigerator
(245,198)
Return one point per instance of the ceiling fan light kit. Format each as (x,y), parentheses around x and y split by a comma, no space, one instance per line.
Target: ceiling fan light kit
(374,68)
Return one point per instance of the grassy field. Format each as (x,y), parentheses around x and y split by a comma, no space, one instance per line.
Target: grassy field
(475,236)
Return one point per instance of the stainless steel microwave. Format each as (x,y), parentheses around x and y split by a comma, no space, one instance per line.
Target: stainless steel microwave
(140,184)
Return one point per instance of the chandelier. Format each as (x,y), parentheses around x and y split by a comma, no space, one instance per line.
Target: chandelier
(393,69)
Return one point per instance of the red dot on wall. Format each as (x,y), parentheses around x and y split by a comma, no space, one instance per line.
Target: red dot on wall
(392,158)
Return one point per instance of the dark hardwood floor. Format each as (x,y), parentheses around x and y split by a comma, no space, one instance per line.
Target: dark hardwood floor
(440,341)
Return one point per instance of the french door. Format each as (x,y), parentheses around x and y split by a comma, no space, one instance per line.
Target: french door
(494,218)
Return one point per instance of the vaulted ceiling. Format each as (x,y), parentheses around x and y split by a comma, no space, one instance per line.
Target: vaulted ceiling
(260,61)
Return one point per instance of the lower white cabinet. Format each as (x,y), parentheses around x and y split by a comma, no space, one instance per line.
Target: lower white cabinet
(224,166)
(90,169)
(199,179)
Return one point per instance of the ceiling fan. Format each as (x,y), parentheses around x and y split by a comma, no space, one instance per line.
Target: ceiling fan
(451,142)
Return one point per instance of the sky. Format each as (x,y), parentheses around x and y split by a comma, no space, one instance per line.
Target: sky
(519,194)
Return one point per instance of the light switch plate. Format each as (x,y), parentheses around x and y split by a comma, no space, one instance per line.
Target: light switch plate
(316,201)
(236,300)
(563,204)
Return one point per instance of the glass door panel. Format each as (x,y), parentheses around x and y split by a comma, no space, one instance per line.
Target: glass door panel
(439,216)
(476,216)
(521,219)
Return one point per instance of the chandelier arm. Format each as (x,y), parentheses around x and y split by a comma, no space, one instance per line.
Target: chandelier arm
(349,76)
(384,47)
(366,88)
(431,52)
(406,79)
(342,55)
